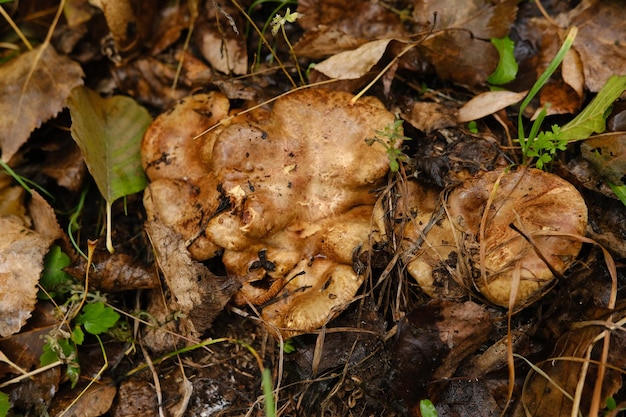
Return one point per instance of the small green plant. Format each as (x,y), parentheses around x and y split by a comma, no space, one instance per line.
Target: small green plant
(546,143)
(391,137)
(472,127)
(90,312)
(427,409)
(288,346)
(278,23)
(5,404)
(550,141)
(506,71)
(611,406)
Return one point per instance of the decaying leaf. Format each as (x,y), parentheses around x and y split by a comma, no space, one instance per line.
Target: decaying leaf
(195,292)
(484,19)
(459,46)
(220,38)
(331,27)
(607,155)
(429,117)
(33,87)
(285,199)
(93,402)
(488,103)
(432,341)
(554,396)
(355,63)
(600,41)
(21,262)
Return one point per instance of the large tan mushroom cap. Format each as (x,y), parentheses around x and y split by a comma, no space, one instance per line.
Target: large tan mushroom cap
(286,198)
(541,205)
(453,255)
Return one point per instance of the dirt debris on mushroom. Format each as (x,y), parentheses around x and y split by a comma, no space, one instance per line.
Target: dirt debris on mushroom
(503,233)
(284,197)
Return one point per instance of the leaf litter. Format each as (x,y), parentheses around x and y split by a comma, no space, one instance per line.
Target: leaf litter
(423,319)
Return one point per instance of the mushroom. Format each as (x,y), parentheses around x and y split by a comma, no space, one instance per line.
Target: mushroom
(284,197)
(502,227)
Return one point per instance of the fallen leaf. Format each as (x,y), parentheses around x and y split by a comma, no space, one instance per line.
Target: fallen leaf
(432,340)
(428,117)
(593,117)
(93,402)
(464,56)
(488,103)
(12,199)
(195,291)
(600,41)
(116,272)
(541,397)
(21,262)
(354,64)
(324,41)
(220,38)
(484,19)
(108,132)
(30,97)
(362,18)
(607,155)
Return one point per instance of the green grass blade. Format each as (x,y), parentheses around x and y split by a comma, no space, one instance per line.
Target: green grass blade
(541,81)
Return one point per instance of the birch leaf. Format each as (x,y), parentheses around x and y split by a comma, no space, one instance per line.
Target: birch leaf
(108,132)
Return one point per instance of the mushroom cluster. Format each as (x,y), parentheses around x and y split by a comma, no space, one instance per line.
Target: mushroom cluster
(506,233)
(285,196)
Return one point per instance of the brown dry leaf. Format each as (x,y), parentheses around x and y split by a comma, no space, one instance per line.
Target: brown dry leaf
(29,99)
(220,37)
(12,199)
(428,117)
(25,347)
(464,56)
(483,18)
(21,262)
(44,219)
(541,397)
(116,272)
(335,26)
(459,57)
(93,402)
(607,155)
(432,341)
(324,41)
(600,41)
(488,103)
(354,64)
(195,291)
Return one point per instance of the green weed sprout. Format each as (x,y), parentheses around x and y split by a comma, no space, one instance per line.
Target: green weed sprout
(5,404)
(427,409)
(550,141)
(393,134)
(92,315)
(278,23)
